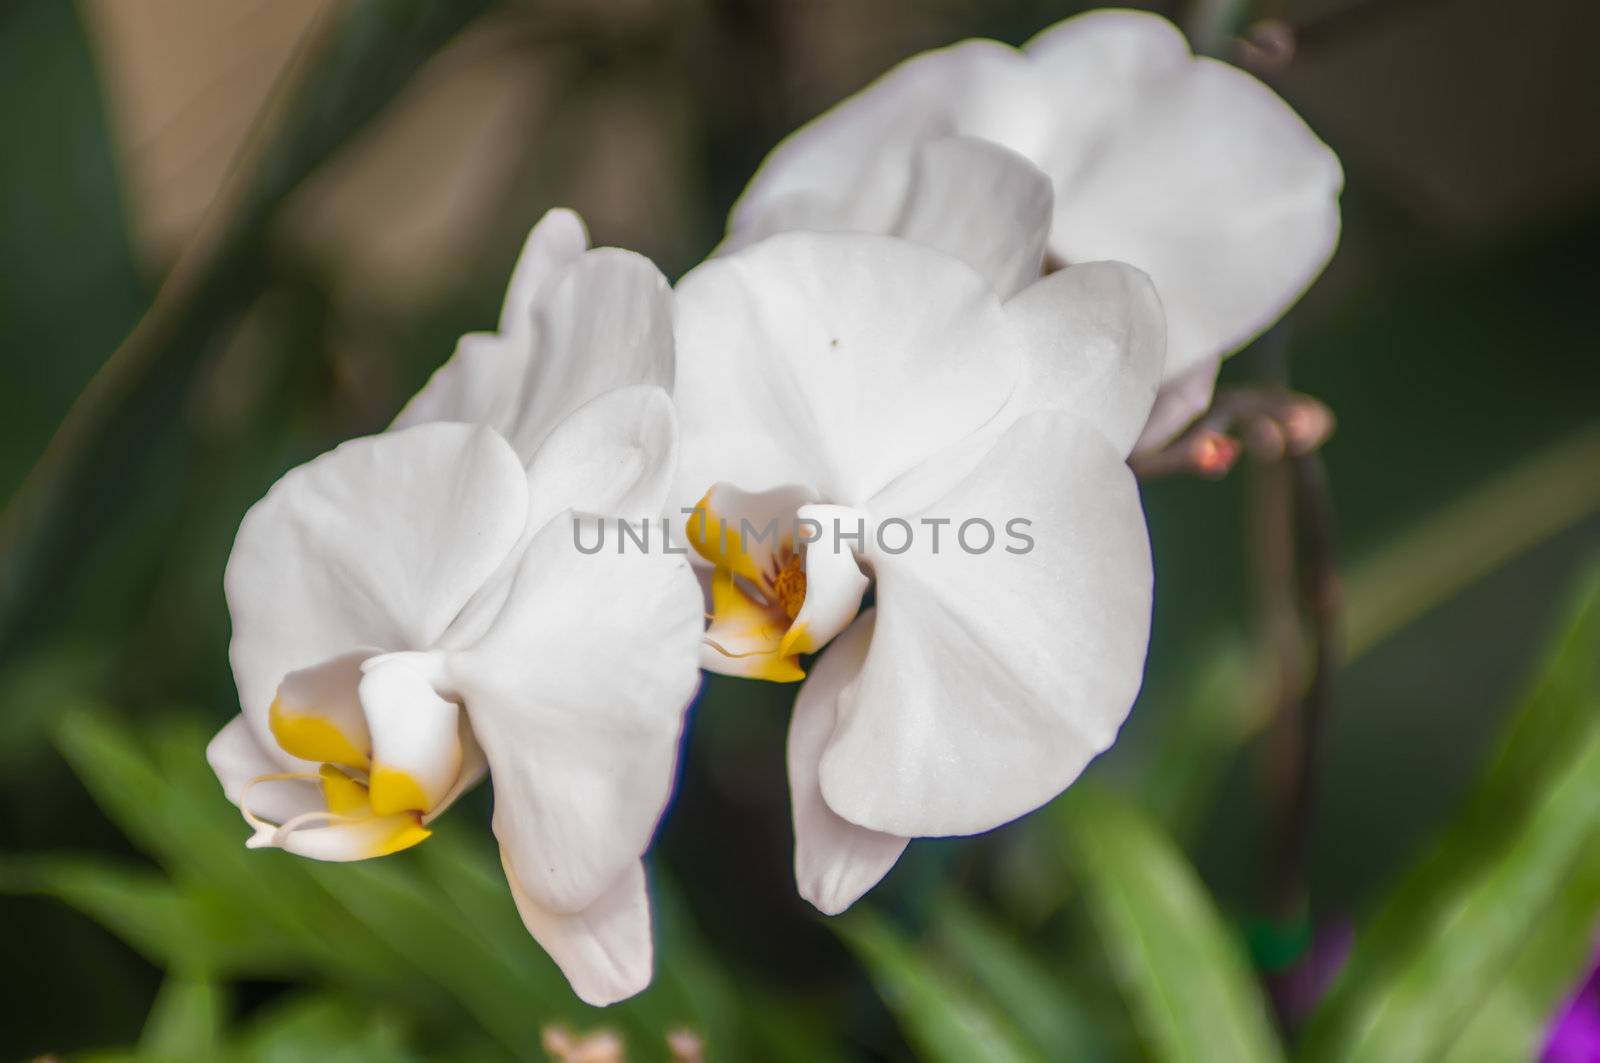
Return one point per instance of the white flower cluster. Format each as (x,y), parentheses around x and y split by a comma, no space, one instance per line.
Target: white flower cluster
(961,298)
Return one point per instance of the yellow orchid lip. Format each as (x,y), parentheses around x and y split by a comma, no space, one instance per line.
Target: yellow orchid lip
(379,808)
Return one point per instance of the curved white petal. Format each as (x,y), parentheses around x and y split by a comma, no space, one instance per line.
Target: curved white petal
(576,694)
(982,203)
(603,323)
(1187,168)
(605,950)
(1191,170)
(316,716)
(343,841)
(555,242)
(239,760)
(483,378)
(377,543)
(1094,338)
(835,861)
(835,583)
(596,321)
(835,360)
(850,168)
(1180,400)
(994,677)
(416,749)
(615,455)
(478,385)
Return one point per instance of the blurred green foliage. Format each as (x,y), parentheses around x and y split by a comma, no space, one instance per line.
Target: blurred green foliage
(1103,928)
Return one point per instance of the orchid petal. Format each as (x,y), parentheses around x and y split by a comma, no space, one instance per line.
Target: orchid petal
(605,949)
(835,583)
(603,323)
(577,693)
(343,840)
(835,861)
(995,676)
(851,168)
(837,360)
(1188,168)
(983,204)
(239,760)
(378,543)
(1095,342)
(615,455)
(316,716)
(416,752)
(481,381)
(557,241)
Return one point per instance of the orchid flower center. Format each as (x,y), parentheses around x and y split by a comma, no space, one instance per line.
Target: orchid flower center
(359,805)
(788,582)
(778,592)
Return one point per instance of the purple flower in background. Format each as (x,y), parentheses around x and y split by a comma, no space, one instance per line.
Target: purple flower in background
(1575,1034)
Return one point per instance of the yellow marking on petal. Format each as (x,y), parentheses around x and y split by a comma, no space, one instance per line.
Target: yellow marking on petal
(716,538)
(736,614)
(313,738)
(344,795)
(796,640)
(395,791)
(408,831)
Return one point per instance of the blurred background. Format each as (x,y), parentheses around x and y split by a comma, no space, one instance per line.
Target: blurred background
(258,225)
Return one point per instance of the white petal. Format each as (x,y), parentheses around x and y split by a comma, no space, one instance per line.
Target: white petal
(614,456)
(850,169)
(478,385)
(343,841)
(416,751)
(605,949)
(1094,338)
(835,360)
(577,695)
(239,760)
(482,380)
(835,861)
(1180,400)
(557,241)
(835,583)
(994,677)
(604,323)
(377,543)
(317,717)
(595,322)
(984,204)
(1191,170)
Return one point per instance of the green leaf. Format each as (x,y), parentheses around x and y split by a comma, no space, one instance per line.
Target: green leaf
(944,1020)
(1187,982)
(69,278)
(1055,1021)
(1506,897)
(186,1022)
(325,1028)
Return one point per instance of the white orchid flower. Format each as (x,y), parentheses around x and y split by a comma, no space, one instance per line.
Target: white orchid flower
(1183,166)
(411,609)
(857,390)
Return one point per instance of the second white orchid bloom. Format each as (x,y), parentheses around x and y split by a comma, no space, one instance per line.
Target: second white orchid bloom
(411,610)
(1183,166)
(869,413)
